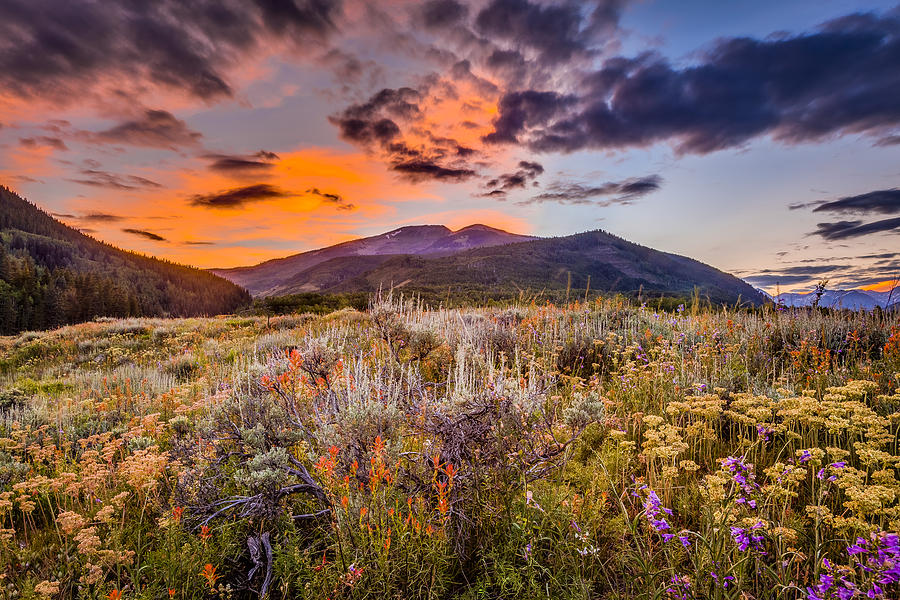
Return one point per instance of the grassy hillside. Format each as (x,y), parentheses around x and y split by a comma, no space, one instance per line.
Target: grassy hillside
(596,451)
(51,274)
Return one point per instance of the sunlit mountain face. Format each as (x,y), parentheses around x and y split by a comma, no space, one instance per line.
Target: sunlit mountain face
(762,138)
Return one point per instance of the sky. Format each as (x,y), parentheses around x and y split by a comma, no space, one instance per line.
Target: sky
(760,137)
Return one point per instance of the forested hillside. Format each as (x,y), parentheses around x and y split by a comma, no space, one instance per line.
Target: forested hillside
(51,275)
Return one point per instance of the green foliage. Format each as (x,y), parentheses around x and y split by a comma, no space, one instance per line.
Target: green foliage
(310,302)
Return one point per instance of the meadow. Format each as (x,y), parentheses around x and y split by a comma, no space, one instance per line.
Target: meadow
(593,450)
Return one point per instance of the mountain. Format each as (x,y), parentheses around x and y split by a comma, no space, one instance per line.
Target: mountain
(275,277)
(850,299)
(436,260)
(51,274)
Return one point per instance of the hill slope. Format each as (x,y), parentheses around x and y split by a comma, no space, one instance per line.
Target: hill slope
(51,274)
(280,276)
(611,263)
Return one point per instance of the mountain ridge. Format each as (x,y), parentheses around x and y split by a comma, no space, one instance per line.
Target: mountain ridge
(498,263)
(266,278)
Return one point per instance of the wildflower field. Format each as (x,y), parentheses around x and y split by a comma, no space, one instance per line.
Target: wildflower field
(597,450)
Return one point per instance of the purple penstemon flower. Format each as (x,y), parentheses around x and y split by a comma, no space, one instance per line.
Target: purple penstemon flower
(679,588)
(656,514)
(748,538)
(743,475)
(653,509)
(876,574)
(858,548)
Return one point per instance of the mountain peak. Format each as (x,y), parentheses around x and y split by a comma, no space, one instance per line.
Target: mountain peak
(417,230)
(480,227)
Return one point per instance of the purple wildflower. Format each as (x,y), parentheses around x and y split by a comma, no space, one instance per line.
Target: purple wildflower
(742,474)
(876,576)
(748,538)
(679,588)
(653,510)
(858,548)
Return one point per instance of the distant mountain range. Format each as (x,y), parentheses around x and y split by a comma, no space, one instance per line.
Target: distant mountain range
(483,260)
(850,299)
(51,274)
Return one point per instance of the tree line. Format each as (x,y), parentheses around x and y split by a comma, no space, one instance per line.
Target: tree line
(52,275)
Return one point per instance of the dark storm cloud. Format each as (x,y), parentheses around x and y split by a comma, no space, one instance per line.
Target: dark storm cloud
(58,50)
(42,140)
(426,169)
(226,163)
(442,13)
(614,192)
(839,79)
(98,217)
(850,276)
(521,110)
(105,179)
(154,129)
(526,173)
(807,270)
(888,140)
(770,280)
(375,125)
(336,199)
(145,234)
(555,32)
(842,230)
(239,197)
(509,62)
(372,122)
(236,163)
(885,202)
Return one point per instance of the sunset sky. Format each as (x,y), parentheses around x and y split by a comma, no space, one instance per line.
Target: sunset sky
(760,137)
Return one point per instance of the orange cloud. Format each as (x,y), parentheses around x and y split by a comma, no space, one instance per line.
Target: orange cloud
(29,161)
(303,215)
(882,286)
